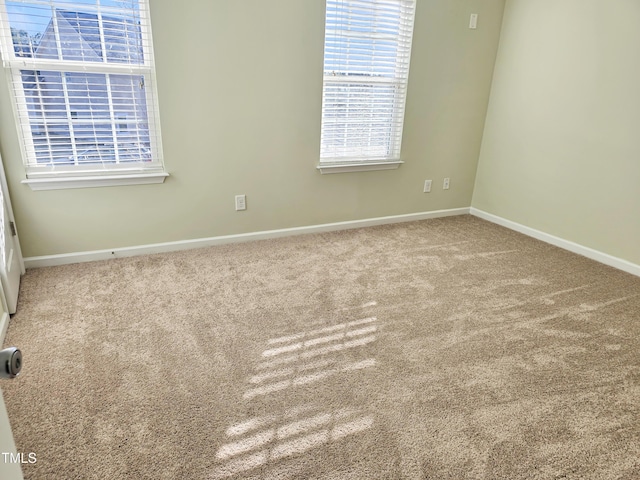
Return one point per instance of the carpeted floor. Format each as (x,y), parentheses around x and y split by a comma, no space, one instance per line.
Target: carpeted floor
(441,349)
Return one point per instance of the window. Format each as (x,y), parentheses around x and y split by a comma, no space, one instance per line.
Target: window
(83,84)
(366,68)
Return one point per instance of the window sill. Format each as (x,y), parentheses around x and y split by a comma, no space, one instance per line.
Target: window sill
(358,167)
(59,183)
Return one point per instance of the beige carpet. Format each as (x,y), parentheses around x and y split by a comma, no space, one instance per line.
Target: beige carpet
(447,348)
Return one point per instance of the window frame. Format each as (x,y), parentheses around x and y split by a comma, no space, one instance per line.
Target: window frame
(51,177)
(334,80)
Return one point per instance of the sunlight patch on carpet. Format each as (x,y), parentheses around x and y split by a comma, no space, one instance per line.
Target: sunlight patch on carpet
(281,438)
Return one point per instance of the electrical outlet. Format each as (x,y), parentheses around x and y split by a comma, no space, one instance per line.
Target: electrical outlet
(241,202)
(427,186)
(445,184)
(473,21)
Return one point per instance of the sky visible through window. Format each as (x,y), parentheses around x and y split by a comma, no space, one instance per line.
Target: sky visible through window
(34,17)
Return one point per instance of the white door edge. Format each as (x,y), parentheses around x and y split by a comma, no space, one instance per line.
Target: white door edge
(7,201)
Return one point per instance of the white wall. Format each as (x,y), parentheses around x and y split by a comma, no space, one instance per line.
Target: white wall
(561,146)
(240,85)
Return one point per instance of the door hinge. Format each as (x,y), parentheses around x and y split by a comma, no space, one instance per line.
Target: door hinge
(12,227)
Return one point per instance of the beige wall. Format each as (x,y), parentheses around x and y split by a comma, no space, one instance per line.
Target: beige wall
(561,147)
(240,87)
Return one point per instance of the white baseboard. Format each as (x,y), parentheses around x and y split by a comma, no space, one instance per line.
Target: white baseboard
(596,255)
(68,258)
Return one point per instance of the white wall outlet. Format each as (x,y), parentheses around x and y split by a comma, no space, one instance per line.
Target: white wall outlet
(445,184)
(473,21)
(241,202)
(427,186)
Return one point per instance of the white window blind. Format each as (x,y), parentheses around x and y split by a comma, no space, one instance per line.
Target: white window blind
(82,77)
(366,68)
